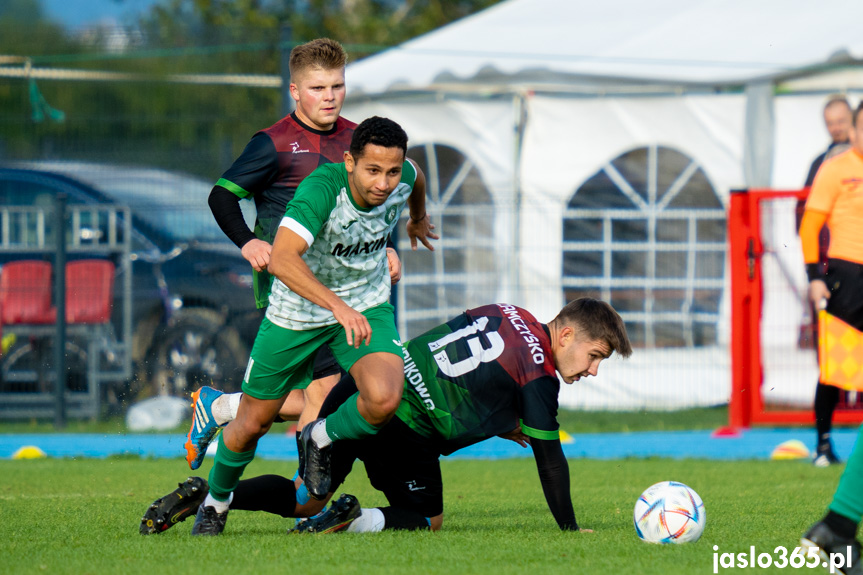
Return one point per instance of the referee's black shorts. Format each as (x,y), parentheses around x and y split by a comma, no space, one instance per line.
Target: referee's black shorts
(845,281)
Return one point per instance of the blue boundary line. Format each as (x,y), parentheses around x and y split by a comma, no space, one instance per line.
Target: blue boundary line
(750,444)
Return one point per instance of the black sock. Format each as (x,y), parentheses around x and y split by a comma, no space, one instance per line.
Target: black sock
(841,525)
(395,518)
(271,493)
(826,398)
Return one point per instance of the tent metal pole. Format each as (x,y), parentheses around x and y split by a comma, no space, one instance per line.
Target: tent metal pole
(514,261)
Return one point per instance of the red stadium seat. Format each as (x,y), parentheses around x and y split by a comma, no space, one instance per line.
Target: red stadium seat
(25,293)
(89,291)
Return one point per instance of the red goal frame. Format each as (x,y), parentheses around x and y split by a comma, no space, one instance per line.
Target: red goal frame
(746,405)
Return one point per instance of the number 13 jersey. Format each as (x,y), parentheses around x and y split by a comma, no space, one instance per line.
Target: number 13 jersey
(479,375)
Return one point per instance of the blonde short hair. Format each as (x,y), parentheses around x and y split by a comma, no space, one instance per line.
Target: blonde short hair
(323,53)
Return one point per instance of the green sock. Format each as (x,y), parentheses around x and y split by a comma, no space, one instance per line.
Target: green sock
(848,499)
(227,470)
(347,423)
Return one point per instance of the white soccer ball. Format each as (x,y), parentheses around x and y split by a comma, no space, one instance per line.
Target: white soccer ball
(669,512)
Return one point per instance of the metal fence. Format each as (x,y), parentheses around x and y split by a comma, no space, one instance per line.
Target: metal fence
(61,354)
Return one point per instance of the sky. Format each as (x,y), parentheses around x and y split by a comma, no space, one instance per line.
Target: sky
(79,13)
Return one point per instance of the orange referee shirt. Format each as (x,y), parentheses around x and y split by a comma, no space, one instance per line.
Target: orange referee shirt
(837,197)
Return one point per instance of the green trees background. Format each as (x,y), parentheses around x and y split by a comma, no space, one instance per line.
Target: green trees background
(149,119)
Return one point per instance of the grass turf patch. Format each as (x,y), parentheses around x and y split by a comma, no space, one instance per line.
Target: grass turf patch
(82,516)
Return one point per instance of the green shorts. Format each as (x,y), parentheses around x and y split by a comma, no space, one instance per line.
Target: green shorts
(283,359)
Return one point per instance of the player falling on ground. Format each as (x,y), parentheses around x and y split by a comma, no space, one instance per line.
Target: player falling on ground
(490,371)
(332,287)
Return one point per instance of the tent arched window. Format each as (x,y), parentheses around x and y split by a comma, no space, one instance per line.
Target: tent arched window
(461,272)
(647,234)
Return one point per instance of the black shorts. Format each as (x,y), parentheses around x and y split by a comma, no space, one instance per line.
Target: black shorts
(325,361)
(400,463)
(845,281)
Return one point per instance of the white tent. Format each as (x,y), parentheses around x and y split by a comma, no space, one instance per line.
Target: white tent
(713,43)
(538,101)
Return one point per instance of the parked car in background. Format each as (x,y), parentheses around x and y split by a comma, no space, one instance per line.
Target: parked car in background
(193,317)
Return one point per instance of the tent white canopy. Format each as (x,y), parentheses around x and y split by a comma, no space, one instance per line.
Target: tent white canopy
(542,97)
(712,42)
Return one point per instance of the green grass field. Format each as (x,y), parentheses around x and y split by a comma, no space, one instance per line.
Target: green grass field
(82,516)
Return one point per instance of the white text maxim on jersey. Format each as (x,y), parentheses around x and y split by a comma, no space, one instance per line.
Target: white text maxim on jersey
(532,341)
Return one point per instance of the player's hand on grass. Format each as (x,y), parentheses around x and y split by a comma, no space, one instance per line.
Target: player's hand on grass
(357,328)
(395,265)
(257,252)
(517,436)
(421,229)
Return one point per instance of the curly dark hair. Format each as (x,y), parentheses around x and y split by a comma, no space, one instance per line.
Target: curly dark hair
(380,132)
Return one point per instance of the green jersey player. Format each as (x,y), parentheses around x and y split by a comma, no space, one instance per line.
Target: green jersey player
(332,285)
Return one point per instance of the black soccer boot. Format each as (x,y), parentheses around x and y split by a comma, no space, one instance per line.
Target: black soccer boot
(177,506)
(829,545)
(338,517)
(209,522)
(301,454)
(825,456)
(316,463)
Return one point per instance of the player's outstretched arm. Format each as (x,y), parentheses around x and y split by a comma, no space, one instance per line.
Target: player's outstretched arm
(287,264)
(419,225)
(554,476)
